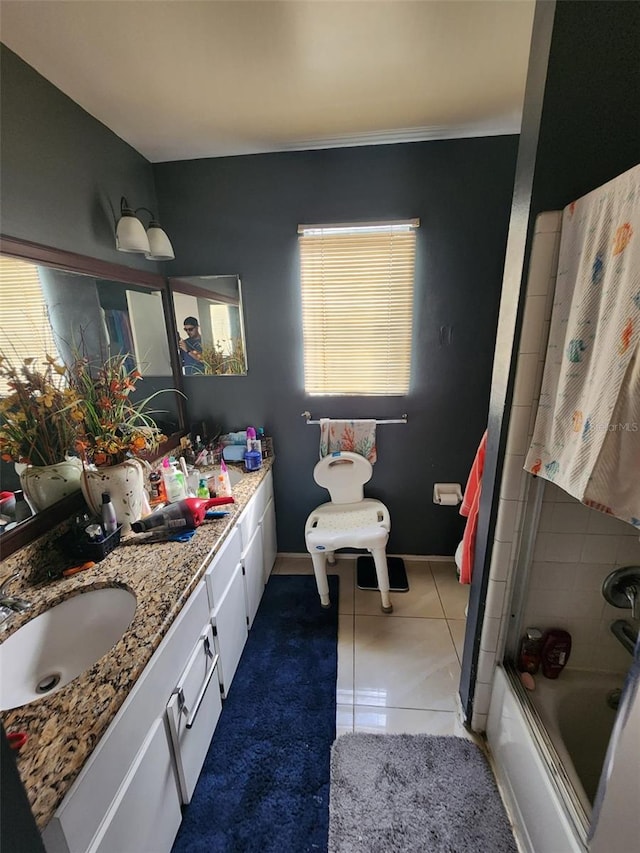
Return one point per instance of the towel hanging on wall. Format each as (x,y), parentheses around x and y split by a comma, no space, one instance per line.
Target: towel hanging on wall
(356,436)
(587,433)
(470,508)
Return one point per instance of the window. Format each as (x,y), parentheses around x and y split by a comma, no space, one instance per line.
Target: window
(357,304)
(25,329)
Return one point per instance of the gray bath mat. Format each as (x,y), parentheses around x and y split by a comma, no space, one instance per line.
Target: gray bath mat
(414,794)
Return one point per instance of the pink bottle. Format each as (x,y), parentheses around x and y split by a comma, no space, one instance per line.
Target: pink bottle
(556,648)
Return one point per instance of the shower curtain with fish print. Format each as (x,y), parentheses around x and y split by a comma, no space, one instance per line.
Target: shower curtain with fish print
(587,432)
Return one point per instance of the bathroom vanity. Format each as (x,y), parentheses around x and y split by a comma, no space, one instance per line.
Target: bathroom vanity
(111,757)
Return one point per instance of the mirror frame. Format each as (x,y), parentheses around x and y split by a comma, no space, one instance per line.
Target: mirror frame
(183,284)
(30,529)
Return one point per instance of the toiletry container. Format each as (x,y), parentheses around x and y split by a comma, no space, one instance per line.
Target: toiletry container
(174,484)
(530,649)
(252,460)
(108,513)
(157,491)
(556,648)
(22,509)
(253,442)
(223,483)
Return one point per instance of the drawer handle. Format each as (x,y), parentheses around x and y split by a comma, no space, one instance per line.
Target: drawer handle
(207,648)
(182,704)
(191,720)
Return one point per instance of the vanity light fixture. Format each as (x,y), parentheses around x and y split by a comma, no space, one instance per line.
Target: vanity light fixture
(132,237)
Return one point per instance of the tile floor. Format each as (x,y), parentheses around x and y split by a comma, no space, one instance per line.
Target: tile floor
(398,672)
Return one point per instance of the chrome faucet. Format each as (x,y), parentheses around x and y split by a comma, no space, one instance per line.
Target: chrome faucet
(10,604)
(631,591)
(622,589)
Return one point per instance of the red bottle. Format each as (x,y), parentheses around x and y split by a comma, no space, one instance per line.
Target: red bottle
(556,648)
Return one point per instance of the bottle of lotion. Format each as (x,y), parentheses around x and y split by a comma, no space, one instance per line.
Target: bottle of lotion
(556,648)
(173,482)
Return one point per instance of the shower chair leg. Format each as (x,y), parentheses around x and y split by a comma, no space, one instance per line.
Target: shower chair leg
(320,571)
(382,574)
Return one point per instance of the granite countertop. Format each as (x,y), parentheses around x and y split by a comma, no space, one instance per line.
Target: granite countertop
(65,727)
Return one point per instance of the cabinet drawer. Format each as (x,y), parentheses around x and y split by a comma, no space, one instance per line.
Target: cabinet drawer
(220,570)
(254,510)
(145,814)
(193,711)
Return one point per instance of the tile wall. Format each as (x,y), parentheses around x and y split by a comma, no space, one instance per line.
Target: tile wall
(575,547)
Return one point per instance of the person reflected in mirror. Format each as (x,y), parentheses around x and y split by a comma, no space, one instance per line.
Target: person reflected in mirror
(191,348)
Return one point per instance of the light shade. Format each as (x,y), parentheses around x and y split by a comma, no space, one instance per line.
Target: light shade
(160,248)
(130,233)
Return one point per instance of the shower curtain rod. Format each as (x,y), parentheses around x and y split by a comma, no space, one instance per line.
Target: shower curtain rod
(401,420)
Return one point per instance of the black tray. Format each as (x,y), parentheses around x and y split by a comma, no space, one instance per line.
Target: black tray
(88,549)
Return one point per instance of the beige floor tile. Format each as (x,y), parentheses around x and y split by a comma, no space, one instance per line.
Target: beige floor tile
(405,663)
(345,569)
(458,628)
(344,719)
(344,684)
(407,721)
(422,599)
(453,595)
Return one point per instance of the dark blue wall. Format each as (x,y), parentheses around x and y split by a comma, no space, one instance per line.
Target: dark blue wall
(240,214)
(62,171)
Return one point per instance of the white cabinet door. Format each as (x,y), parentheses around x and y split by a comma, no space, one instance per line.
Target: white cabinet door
(229,621)
(223,566)
(269,544)
(193,711)
(145,815)
(253,570)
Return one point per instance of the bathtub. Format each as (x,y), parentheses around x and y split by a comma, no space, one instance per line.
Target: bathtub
(574,712)
(542,753)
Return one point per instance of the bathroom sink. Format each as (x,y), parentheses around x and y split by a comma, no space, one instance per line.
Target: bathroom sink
(55,647)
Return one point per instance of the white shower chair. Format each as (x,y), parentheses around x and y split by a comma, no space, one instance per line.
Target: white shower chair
(348,520)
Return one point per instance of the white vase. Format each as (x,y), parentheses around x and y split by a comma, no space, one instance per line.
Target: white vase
(124,483)
(45,485)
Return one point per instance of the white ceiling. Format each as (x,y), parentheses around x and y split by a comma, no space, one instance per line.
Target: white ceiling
(179,79)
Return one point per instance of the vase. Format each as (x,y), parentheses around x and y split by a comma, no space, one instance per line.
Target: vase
(124,483)
(45,485)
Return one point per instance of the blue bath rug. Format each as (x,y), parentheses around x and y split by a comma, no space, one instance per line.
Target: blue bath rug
(264,787)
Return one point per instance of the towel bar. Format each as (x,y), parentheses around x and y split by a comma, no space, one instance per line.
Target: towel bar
(401,420)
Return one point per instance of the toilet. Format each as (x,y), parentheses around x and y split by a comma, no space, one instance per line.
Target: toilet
(458,557)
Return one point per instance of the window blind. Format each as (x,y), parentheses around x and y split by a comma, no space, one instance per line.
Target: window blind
(25,330)
(357,307)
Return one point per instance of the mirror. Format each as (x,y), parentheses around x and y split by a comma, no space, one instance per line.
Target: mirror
(60,304)
(210,334)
